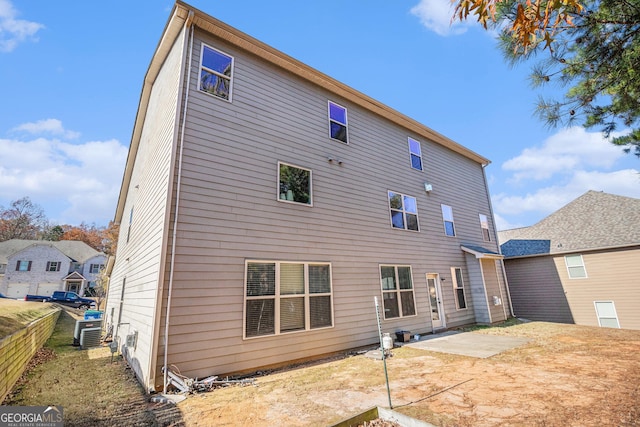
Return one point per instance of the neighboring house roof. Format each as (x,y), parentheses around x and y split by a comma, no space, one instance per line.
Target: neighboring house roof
(595,220)
(76,250)
(185,14)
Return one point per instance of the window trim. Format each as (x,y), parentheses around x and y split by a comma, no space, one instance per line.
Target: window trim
(456,287)
(278,195)
(418,155)
(51,264)
(445,220)
(582,265)
(201,67)
(345,124)
(277,297)
(485,237)
(398,291)
(404,212)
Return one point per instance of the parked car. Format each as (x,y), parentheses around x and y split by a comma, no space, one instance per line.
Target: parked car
(41,298)
(71,299)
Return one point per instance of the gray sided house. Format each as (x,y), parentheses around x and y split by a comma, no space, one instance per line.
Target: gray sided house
(578,265)
(265,205)
(39,267)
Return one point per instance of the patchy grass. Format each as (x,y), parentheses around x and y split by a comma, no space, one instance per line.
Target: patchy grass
(91,388)
(18,314)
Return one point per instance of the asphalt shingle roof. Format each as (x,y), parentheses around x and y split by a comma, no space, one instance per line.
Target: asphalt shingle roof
(593,220)
(76,250)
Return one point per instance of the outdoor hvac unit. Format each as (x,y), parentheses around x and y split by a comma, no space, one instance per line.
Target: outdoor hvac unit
(84,324)
(90,337)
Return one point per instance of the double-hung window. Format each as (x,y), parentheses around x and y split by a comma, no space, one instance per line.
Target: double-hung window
(53,266)
(458,287)
(575,266)
(397,291)
(283,297)
(404,211)
(23,266)
(338,122)
(447,218)
(484,226)
(294,184)
(415,153)
(216,72)
(95,268)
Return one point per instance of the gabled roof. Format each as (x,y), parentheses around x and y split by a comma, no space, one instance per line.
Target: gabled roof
(595,220)
(76,250)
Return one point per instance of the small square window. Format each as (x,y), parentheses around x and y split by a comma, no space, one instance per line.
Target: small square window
(416,154)
(294,184)
(216,70)
(95,268)
(404,211)
(338,122)
(447,218)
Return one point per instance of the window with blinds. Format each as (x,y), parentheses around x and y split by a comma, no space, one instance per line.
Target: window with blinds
(282,297)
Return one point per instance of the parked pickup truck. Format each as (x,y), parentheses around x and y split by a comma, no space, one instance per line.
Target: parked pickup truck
(71,299)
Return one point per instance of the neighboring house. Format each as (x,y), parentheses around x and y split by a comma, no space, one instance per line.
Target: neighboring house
(578,265)
(40,267)
(264,205)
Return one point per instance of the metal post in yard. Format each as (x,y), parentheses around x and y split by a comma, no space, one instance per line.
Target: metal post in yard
(384,357)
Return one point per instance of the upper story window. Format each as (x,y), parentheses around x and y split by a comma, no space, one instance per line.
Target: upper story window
(76,266)
(3,268)
(575,266)
(53,266)
(216,70)
(458,288)
(415,151)
(23,266)
(484,226)
(338,122)
(285,297)
(294,184)
(404,211)
(397,291)
(447,218)
(95,268)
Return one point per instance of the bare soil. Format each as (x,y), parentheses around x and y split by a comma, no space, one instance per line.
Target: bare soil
(567,375)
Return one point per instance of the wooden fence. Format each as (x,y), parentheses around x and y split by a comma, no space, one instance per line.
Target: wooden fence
(16,350)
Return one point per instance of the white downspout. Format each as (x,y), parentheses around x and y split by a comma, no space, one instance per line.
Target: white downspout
(187,26)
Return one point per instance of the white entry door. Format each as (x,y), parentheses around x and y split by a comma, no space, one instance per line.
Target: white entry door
(435,301)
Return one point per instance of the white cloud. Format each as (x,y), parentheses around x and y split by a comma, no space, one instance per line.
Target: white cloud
(81,180)
(14,31)
(47,126)
(436,16)
(563,153)
(547,200)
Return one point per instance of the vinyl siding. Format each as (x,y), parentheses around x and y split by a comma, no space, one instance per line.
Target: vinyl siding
(536,290)
(611,276)
(139,260)
(229,213)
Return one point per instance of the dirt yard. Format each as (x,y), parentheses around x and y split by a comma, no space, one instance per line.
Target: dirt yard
(566,375)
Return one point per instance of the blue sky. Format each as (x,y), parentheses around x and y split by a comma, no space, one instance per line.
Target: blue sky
(71,75)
